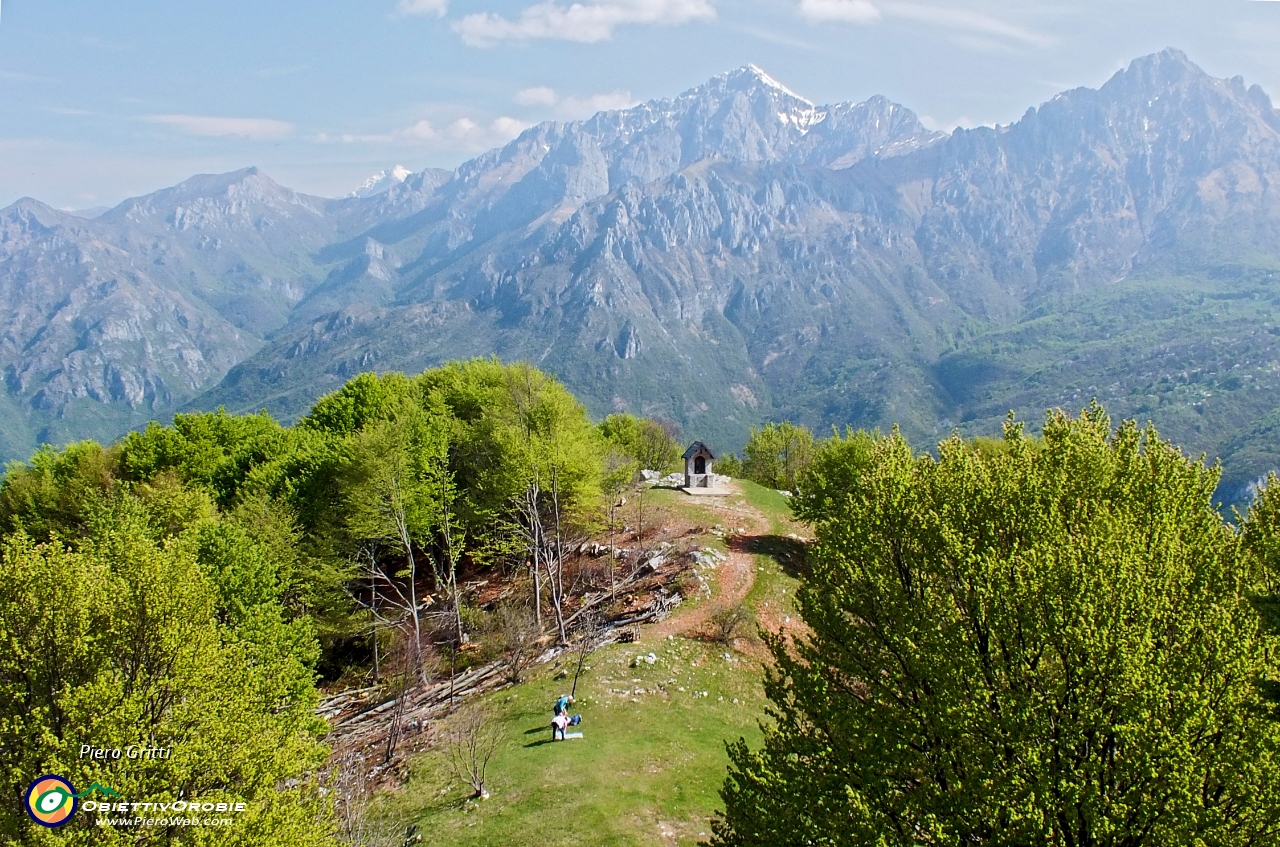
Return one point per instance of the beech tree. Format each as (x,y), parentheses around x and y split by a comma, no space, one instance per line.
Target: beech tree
(832,475)
(652,443)
(399,493)
(777,454)
(156,641)
(1053,643)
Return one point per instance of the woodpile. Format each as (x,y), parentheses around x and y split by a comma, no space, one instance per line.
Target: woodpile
(361,718)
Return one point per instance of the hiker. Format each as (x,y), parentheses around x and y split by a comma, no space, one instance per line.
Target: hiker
(558,724)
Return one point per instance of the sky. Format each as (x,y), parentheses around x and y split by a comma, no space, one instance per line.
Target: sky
(104,101)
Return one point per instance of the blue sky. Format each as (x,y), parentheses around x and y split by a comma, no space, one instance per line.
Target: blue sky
(107,100)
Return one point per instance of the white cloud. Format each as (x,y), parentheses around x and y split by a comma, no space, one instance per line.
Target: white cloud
(422,7)
(508,128)
(540,96)
(964,21)
(583,22)
(258,129)
(575,107)
(844,11)
(461,134)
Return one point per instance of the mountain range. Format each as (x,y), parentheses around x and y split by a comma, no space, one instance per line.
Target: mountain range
(732,255)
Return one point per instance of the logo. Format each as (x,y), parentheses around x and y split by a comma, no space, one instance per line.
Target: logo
(98,787)
(51,801)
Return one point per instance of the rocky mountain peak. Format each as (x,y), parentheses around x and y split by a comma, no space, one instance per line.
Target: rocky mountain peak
(243,198)
(752,78)
(731,96)
(27,220)
(1166,70)
(30,209)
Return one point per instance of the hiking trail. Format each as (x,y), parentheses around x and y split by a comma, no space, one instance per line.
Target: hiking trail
(734,577)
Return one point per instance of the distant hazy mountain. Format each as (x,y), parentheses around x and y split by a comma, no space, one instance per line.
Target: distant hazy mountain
(731,255)
(382,181)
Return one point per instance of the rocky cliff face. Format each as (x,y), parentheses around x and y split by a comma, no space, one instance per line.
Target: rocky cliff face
(1097,184)
(733,254)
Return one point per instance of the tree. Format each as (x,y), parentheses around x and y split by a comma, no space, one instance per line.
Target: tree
(366,399)
(120,642)
(833,474)
(725,623)
(1260,543)
(213,451)
(651,443)
(729,465)
(777,454)
(517,634)
(470,740)
(619,470)
(559,462)
(398,493)
(1048,644)
(512,428)
(49,496)
(657,447)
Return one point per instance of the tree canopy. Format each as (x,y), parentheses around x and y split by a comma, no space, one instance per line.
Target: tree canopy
(160,625)
(1050,643)
(182,586)
(777,454)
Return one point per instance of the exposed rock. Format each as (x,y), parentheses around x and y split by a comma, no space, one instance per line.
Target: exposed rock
(732,254)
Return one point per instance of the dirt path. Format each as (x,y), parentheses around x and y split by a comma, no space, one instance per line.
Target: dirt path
(734,577)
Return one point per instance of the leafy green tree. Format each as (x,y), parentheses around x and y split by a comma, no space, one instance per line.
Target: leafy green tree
(365,399)
(214,451)
(525,459)
(119,643)
(652,443)
(777,453)
(622,431)
(1049,644)
(397,494)
(1260,542)
(833,475)
(559,462)
(49,496)
(658,448)
(1260,530)
(729,465)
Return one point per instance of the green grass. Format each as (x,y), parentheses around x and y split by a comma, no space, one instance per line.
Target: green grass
(773,594)
(650,767)
(670,500)
(773,504)
(647,772)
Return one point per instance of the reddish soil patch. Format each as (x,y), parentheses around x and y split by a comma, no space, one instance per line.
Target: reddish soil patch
(734,577)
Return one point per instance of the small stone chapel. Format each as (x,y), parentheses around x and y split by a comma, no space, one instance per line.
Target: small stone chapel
(697,466)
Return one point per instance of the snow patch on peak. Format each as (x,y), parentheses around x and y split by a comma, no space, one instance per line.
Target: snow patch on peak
(382,181)
(746,78)
(758,73)
(803,119)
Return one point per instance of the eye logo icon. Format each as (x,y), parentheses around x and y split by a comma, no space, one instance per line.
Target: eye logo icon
(51,801)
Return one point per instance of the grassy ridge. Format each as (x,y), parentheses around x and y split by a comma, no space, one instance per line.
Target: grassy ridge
(650,766)
(647,770)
